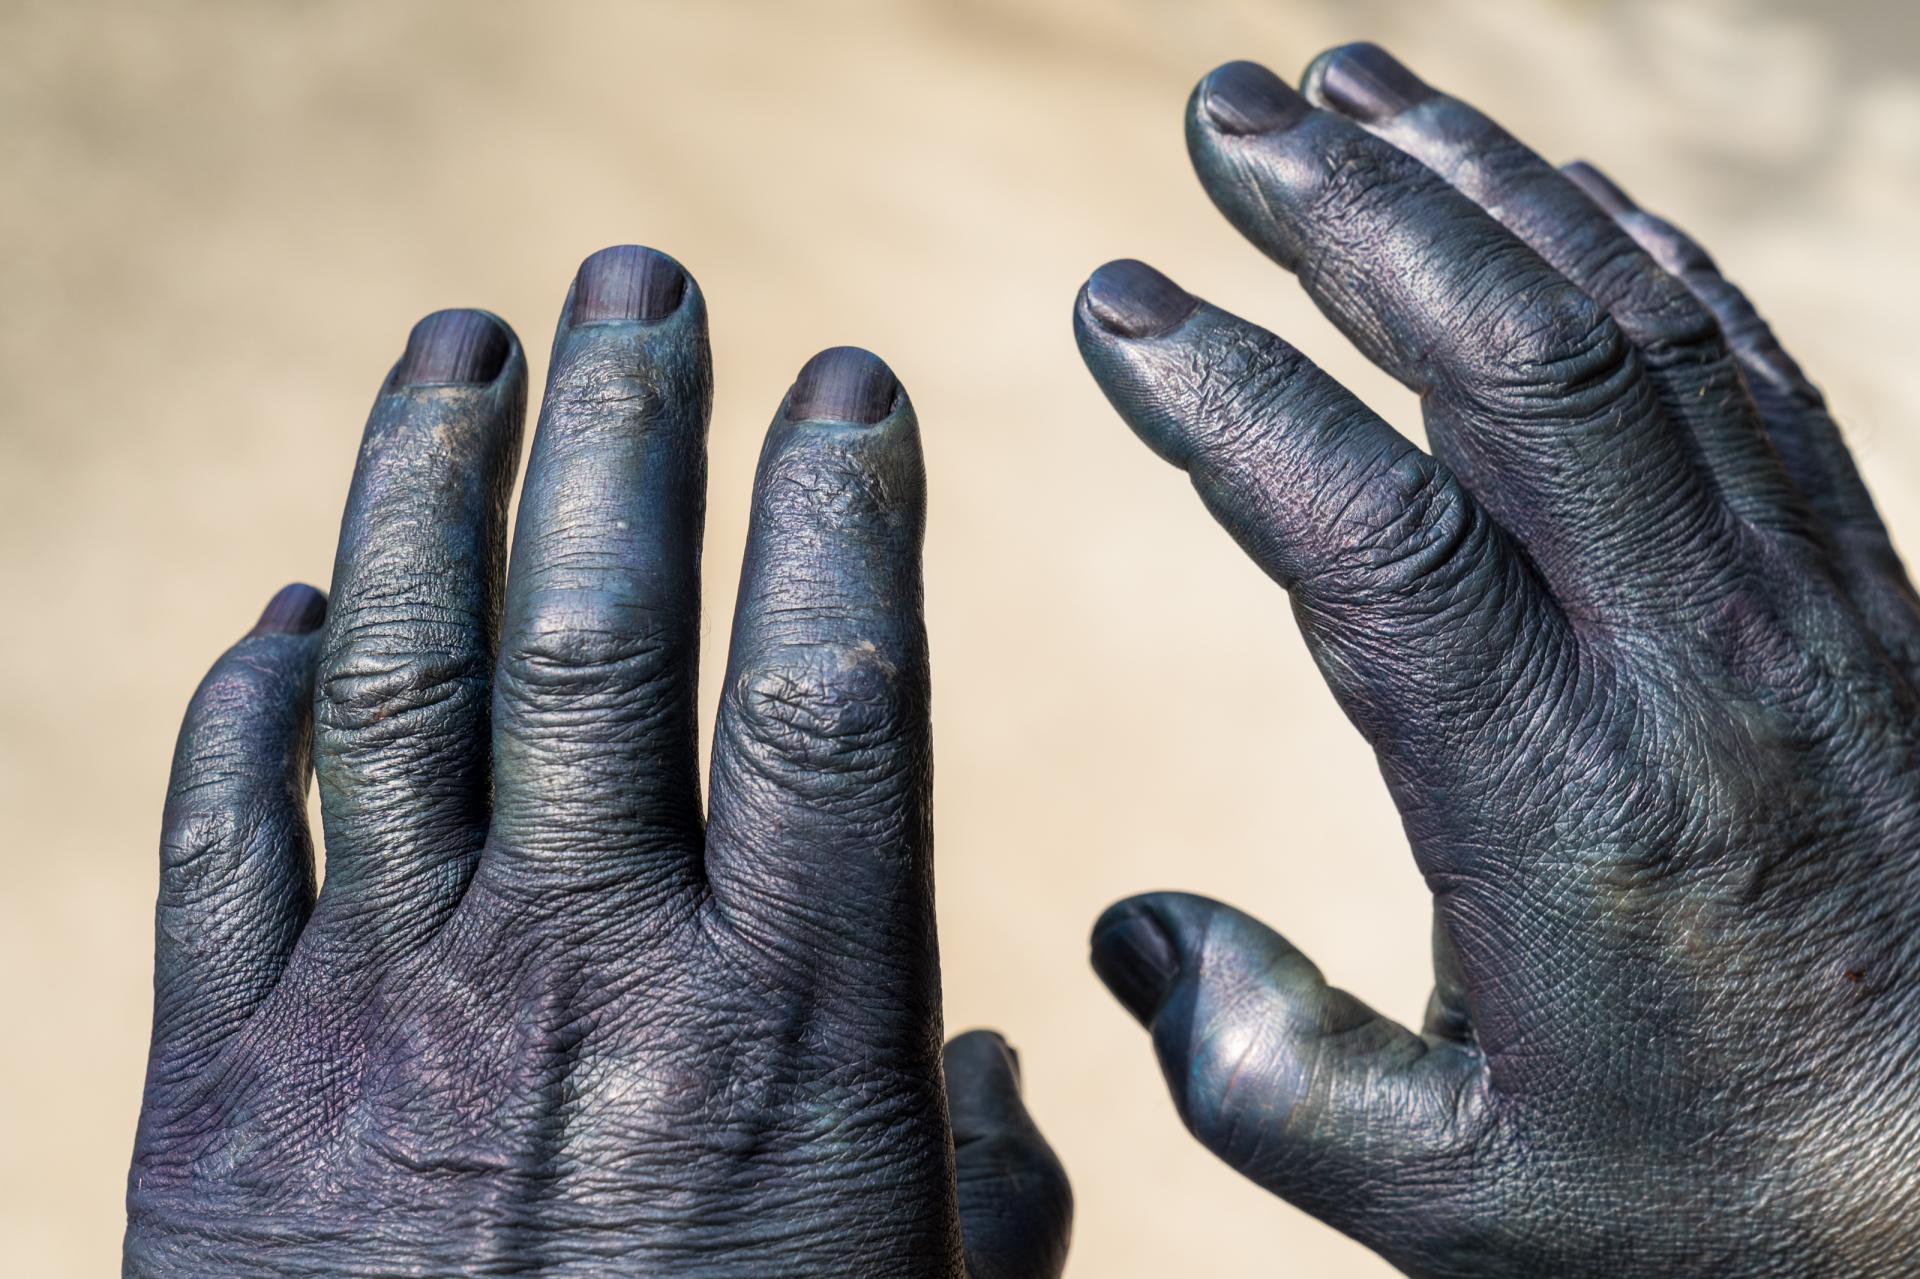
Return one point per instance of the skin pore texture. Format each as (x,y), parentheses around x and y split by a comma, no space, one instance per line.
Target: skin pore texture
(549,1013)
(1639,664)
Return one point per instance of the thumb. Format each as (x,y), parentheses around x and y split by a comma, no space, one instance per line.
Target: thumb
(1016,1209)
(1300,1086)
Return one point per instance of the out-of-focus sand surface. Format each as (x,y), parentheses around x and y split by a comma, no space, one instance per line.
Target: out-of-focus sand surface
(218,221)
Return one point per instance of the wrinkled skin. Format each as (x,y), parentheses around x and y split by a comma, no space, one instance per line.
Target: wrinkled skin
(1639,665)
(548,1016)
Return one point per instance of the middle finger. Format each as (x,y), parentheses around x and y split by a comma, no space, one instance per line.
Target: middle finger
(595,735)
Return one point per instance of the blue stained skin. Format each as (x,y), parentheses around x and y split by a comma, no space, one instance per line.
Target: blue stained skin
(1642,673)
(550,1014)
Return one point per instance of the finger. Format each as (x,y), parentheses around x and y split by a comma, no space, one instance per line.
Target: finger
(1805,435)
(595,731)
(1681,256)
(1691,367)
(1430,628)
(819,843)
(236,860)
(1533,395)
(1016,1208)
(401,729)
(1300,1086)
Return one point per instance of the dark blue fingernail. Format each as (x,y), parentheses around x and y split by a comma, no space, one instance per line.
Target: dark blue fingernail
(846,383)
(627,282)
(1135,301)
(1600,188)
(1368,83)
(1246,98)
(454,348)
(296,609)
(1136,959)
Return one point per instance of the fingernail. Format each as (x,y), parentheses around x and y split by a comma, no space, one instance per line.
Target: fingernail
(453,348)
(846,383)
(1368,83)
(1600,188)
(627,282)
(1135,301)
(1136,959)
(1246,98)
(297,609)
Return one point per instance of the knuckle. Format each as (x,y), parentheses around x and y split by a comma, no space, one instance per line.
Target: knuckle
(1554,350)
(195,851)
(830,714)
(388,691)
(594,656)
(585,390)
(1358,178)
(820,480)
(1411,530)
(1668,322)
(1243,384)
(1222,394)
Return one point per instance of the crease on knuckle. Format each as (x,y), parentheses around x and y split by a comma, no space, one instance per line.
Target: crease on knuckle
(1552,354)
(1243,385)
(594,657)
(1359,181)
(384,695)
(199,853)
(1674,332)
(1412,533)
(811,484)
(832,720)
(583,392)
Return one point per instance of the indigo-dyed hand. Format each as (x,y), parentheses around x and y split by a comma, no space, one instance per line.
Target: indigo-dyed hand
(1639,665)
(546,1018)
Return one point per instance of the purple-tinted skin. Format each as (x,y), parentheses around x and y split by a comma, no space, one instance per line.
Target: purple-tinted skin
(549,1014)
(1640,667)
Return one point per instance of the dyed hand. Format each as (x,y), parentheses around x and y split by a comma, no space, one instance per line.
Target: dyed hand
(546,1018)
(1639,665)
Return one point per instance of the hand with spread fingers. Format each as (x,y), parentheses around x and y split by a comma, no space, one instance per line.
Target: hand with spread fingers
(1642,673)
(546,1016)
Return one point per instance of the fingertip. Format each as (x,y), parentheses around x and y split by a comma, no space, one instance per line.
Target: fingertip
(1364,82)
(1133,952)
(1245,99)
(1314,77)
(295,609)
(627,282)
(983,1084)
(983,1052)
(845,427)
(1129,299)
(460,347)
(845,384)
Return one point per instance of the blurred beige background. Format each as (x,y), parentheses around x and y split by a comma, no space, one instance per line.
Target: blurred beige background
(218,220)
